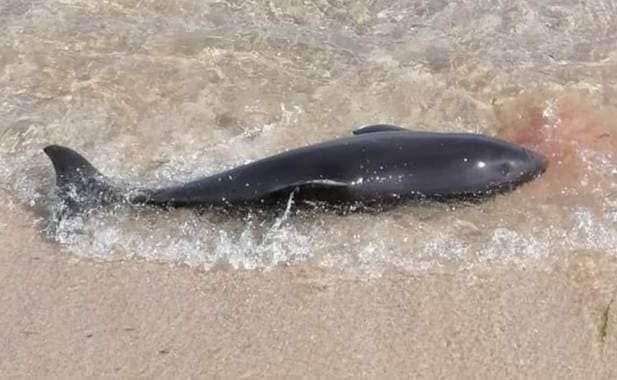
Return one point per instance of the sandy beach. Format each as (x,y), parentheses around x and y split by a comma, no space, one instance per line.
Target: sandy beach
(68,318)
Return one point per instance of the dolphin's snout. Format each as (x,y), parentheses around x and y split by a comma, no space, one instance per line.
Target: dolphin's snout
(540,162)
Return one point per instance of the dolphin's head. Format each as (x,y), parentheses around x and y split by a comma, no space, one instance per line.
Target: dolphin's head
(496,165)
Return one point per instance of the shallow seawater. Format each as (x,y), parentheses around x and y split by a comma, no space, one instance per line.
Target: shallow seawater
(156,92)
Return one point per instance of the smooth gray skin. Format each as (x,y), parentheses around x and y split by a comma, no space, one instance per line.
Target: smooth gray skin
(379,163)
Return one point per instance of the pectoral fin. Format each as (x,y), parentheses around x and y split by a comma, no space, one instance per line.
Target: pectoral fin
(318,189)
(324,183)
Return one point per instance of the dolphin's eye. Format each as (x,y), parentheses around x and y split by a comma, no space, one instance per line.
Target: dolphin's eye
(504,169)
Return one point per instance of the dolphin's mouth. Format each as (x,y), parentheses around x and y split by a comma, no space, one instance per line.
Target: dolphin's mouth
(540,163)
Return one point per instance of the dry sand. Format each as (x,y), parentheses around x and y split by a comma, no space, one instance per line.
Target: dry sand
(69,318)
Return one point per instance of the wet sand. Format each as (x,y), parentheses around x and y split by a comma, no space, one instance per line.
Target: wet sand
(64,317)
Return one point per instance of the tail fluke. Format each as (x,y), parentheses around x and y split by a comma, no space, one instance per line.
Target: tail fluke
(79,184)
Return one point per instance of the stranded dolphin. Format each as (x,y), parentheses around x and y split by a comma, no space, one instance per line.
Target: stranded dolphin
(378,164)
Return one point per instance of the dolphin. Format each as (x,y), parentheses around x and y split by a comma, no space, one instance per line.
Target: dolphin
(377,164)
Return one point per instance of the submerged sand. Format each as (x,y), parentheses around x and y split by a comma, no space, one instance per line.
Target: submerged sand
(64,317)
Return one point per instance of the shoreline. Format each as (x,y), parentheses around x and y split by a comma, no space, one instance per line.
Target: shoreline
(68,317)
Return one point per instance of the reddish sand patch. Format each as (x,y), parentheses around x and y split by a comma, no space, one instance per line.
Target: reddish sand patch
(577,135)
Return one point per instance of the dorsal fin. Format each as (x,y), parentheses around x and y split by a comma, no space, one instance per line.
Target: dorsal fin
(378,128)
